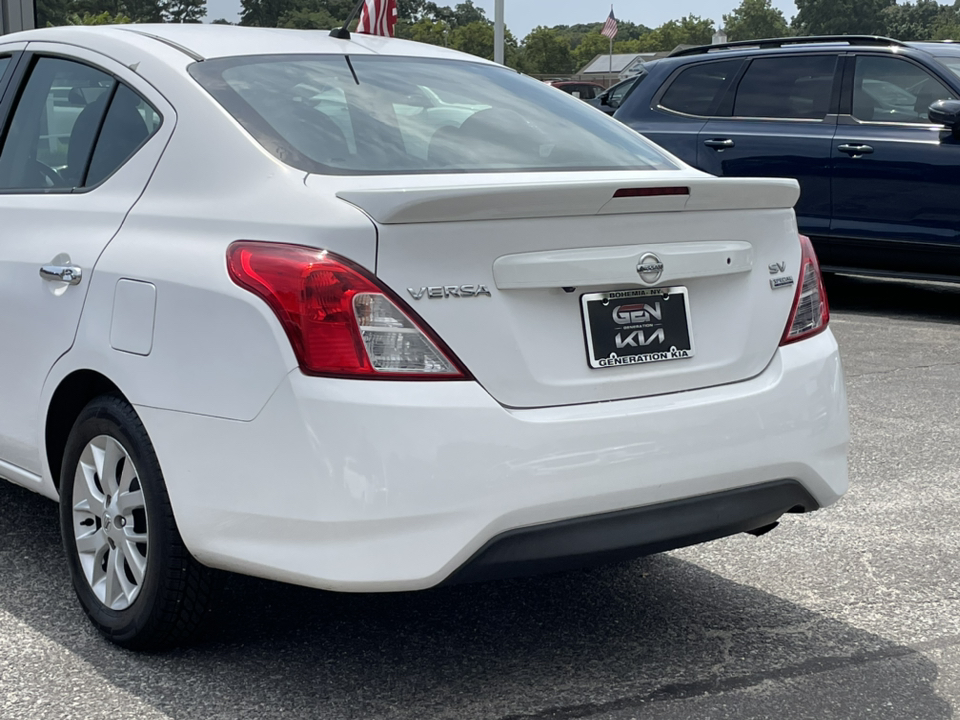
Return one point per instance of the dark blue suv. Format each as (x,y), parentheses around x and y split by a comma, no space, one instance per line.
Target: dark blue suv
(849,117)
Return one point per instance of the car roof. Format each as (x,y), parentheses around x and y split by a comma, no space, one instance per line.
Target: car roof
(205,42)
(938,48)
(811,44)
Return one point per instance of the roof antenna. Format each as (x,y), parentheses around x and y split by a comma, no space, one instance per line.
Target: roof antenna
(342,32)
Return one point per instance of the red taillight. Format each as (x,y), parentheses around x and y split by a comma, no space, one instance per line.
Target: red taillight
(811,312)
(340,321)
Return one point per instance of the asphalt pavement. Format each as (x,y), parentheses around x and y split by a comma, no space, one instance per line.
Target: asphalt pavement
(850,612)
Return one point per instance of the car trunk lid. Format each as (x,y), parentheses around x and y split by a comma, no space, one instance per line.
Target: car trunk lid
(559,291)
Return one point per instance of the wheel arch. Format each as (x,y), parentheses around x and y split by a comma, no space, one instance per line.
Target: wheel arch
(73,393)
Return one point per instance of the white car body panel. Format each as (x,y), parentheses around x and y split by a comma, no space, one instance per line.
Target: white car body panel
(76,228)
(366,485)
(414,477)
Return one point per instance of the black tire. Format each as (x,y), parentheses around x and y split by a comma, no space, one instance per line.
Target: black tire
(175,591)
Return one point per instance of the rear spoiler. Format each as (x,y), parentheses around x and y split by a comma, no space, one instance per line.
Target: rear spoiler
(397,206)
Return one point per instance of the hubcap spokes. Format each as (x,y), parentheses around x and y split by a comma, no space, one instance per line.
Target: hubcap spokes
(110,522)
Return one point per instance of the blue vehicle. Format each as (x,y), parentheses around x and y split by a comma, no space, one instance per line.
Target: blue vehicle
(869,126)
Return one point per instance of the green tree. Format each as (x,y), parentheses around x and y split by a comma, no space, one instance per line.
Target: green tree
(425,30)
(691,30)
(145,11)
(221,21)
(590,46)
(306,19)
(103,18)
(53,13)
(914,21)
(476,38)
(264,13)
(184,11)
(544,50)
(947,26)
(840,17)
(754,19)
(465,13)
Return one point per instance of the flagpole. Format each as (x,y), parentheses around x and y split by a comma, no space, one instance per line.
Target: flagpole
(611,44)
(498,33)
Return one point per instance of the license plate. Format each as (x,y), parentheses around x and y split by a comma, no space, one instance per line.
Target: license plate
(628,327)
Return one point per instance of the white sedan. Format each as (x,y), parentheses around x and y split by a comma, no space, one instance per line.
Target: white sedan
(368,315)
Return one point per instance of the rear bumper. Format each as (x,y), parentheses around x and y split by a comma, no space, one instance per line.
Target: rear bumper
(626,534)
(381,486)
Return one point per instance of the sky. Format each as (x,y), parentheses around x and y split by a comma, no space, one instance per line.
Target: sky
(522,16)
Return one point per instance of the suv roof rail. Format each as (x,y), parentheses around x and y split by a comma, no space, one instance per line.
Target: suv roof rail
(782,42)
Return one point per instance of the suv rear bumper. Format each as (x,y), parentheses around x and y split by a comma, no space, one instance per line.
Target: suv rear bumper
(382,486)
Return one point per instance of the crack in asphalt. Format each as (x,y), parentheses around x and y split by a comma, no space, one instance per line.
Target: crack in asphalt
(716,686)
(893,371)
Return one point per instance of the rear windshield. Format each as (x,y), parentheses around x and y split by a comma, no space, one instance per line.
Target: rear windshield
(385,115)
(952,62)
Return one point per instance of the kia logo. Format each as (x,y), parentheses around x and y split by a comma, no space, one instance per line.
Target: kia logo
(650,269)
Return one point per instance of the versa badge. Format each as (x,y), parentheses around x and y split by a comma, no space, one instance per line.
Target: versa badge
(447,291)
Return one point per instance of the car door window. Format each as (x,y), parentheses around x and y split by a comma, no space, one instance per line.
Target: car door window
(787,87)
(697,90)
(889,89)
(54,125)
(73,126)
(4,61)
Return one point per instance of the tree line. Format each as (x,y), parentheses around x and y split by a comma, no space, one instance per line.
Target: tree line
(560,49)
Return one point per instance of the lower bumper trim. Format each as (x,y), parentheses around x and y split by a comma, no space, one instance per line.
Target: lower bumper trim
(626,534)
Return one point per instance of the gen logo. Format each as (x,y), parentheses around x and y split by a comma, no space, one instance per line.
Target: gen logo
(635,314)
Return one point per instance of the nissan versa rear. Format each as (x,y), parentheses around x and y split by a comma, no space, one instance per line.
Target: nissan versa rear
(368,315)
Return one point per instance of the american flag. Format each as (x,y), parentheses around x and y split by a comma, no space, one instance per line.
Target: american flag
(610,26)
(378,17)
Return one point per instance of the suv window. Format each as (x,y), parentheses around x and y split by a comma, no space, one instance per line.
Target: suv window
(67,108)
(4,61)
(697,90)
(787,87)
(889,89)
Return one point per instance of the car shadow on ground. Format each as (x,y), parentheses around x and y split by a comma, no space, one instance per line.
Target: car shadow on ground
(660,636)
(938,301)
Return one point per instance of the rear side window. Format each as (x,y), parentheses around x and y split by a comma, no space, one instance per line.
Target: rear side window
(787,87)
(697,90)
(128,123)
(4,61)
(73,125)
(389,115)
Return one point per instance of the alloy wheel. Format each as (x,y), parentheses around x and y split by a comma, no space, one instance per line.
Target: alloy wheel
(110,522)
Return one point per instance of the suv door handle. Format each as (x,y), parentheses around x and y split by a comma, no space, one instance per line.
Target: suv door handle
(70,274)
(719,143)
(855,149)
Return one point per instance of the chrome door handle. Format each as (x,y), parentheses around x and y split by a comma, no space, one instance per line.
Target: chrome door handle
(719,143)
(70,274)
(855,149)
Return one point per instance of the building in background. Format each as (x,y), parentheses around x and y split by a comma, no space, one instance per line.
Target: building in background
(17,15)
(606,71)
